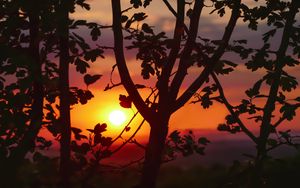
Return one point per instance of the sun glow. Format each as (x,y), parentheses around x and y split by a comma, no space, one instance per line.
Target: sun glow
(117,117)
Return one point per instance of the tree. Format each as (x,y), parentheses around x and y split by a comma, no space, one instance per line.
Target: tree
(279,15)
(157,60)
(32,33)
(33,67)
(69,53)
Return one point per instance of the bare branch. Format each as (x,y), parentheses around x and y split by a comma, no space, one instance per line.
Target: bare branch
(138,144)
(132,136)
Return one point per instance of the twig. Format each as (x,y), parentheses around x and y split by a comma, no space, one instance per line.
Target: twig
(230,109)
(132,136)
(138,144)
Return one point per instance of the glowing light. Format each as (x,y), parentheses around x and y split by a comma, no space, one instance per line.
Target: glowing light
(117,117)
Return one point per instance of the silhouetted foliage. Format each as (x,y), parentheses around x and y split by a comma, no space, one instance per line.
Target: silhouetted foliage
(158,55)
(39,42)
(280,18)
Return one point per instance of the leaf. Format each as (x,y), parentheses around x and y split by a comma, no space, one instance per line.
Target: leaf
(206,102)
(90,130)
(175,136)
(125,101)
(146,3)
(99,128)
(95,33)
(288,83)
(136,3)
(139,16)
(124,18)
(254,91)
(81,66)
(289,111)
(106,141)
(147,69)
(97,139)
(93,54)
(269,34)
(89,79)
(203,141)
(223,127)
(85,147)
(79,22)
(76,130)
(147,29)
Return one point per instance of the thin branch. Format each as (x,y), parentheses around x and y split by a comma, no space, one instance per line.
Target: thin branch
(230,109)
(109,87)
(189,46)
(178,33)
(175,14)
(132,136)
(138,144)
(279,122)
(121,133)
(212,61)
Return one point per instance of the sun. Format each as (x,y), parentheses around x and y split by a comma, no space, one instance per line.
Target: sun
(117,117)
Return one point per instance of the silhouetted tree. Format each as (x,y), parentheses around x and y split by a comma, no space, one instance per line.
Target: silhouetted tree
(279,15)
(33,80)
(35,72)
(157,60)
(32,34)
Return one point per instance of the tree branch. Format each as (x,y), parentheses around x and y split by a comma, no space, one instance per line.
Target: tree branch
(184,59)
(132,136)
(174,13)
(230,109)
(122,67)
(178,33)
(212,61)
(270,104)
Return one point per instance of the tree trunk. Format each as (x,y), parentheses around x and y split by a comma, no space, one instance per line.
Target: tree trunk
(270,107)
(256,177)
(64,107)
(154,154)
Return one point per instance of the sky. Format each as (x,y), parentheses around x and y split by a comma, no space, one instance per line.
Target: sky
(191,116)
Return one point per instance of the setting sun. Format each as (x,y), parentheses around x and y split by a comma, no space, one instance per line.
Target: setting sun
(117,117)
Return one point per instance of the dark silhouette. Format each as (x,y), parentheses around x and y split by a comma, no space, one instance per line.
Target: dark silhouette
(36,90)
(280,84)
(162,65)
(39,42)
(64,96)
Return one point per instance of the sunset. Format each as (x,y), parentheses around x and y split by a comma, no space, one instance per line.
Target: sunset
(149,94)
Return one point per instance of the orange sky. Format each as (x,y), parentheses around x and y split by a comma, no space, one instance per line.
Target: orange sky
(192,116)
